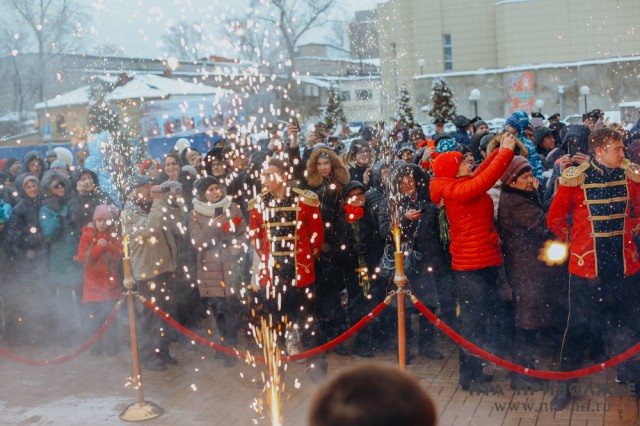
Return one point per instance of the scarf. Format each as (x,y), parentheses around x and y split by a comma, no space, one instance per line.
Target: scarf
(206,208)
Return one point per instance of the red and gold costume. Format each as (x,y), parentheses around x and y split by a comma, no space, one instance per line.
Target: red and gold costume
(604,208)
(286,234)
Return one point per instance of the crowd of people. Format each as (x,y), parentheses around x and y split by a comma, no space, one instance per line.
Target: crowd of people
(307,237)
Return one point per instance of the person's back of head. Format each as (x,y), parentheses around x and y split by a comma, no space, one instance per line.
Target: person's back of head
(372,394)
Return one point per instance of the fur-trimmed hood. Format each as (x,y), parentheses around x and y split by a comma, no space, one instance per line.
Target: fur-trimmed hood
(339,172)
(520,148)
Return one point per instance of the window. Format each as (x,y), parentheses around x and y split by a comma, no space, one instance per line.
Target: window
(363,95)
(447,50)
(344,95)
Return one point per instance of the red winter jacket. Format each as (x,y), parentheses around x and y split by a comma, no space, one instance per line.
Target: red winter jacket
(101,276)
(475,243)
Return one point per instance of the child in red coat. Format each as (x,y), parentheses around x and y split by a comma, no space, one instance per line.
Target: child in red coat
(100,251)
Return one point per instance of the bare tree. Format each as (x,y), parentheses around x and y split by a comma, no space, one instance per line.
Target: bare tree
(108,49)
(12,41)
(54,26)
(184,41)
(268,26)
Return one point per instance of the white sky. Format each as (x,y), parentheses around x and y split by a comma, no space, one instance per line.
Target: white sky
(137,25)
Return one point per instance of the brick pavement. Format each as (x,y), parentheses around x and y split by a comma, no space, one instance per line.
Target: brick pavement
(91,390)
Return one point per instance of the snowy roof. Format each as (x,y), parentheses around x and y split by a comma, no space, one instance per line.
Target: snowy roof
(527,67)
(498,3)
(633,104)
(370,61)
(314,81)
(140,86)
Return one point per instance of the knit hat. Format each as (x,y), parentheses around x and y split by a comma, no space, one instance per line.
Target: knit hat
(447,164)
(137,181)
(146,164)
(446,145)
(181,144)
(189,169)
(58,164)
(204,183)
(106,212)
(51,153)
(405,147)
(519,120)
(516,168)
(478,124)
(29,177)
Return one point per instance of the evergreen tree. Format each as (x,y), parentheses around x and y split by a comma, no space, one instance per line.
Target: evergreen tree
(334,114)
(443,104)
(405,112)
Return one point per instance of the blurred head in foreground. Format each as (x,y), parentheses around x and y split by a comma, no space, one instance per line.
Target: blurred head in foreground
(372,394)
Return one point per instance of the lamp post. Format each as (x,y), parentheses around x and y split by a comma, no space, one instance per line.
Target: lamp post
(474,95)
(584,91)
(539,105)
(421,64)
(561,96)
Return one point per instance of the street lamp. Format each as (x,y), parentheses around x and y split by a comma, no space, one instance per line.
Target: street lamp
(473,97)
(561,96)
(421,64)
(584,91)
(539,105)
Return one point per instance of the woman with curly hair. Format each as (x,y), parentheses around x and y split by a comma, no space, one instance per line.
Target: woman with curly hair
(326,175)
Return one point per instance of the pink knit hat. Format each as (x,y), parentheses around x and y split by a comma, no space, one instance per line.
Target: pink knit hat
(106,212)
(447,164)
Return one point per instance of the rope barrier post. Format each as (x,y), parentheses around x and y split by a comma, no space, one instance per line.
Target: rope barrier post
(400,280)
(141,410)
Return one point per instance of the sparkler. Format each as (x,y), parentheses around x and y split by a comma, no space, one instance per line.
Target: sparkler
(266,337)
(553,253)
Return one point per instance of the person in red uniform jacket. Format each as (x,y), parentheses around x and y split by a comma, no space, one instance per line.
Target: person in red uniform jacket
(475,245)
(597,211)
(287,233)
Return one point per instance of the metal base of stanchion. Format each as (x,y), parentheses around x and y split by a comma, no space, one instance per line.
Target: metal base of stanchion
(137,412)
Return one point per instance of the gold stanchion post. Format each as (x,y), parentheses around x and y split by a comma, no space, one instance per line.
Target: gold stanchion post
(400,280)
(141,410)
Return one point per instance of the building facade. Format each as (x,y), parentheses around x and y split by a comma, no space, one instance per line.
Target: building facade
(449,37)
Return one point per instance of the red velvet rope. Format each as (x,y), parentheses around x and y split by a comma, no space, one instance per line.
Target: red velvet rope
(302,355)
(67,357)
(542,374)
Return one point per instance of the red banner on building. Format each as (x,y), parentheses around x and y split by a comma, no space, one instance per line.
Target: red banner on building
(521,89)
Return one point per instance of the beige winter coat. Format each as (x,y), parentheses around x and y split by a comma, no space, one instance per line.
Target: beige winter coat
(219,246)
(152,245)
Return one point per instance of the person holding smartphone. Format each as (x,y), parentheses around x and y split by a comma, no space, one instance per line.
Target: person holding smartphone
(475,244)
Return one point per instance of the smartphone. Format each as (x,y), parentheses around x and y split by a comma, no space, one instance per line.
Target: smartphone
(431,144)
(293,120)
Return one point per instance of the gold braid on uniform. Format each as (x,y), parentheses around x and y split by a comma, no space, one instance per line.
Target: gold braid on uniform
(574,176)
(632,170)
(252,202)
(307,197)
